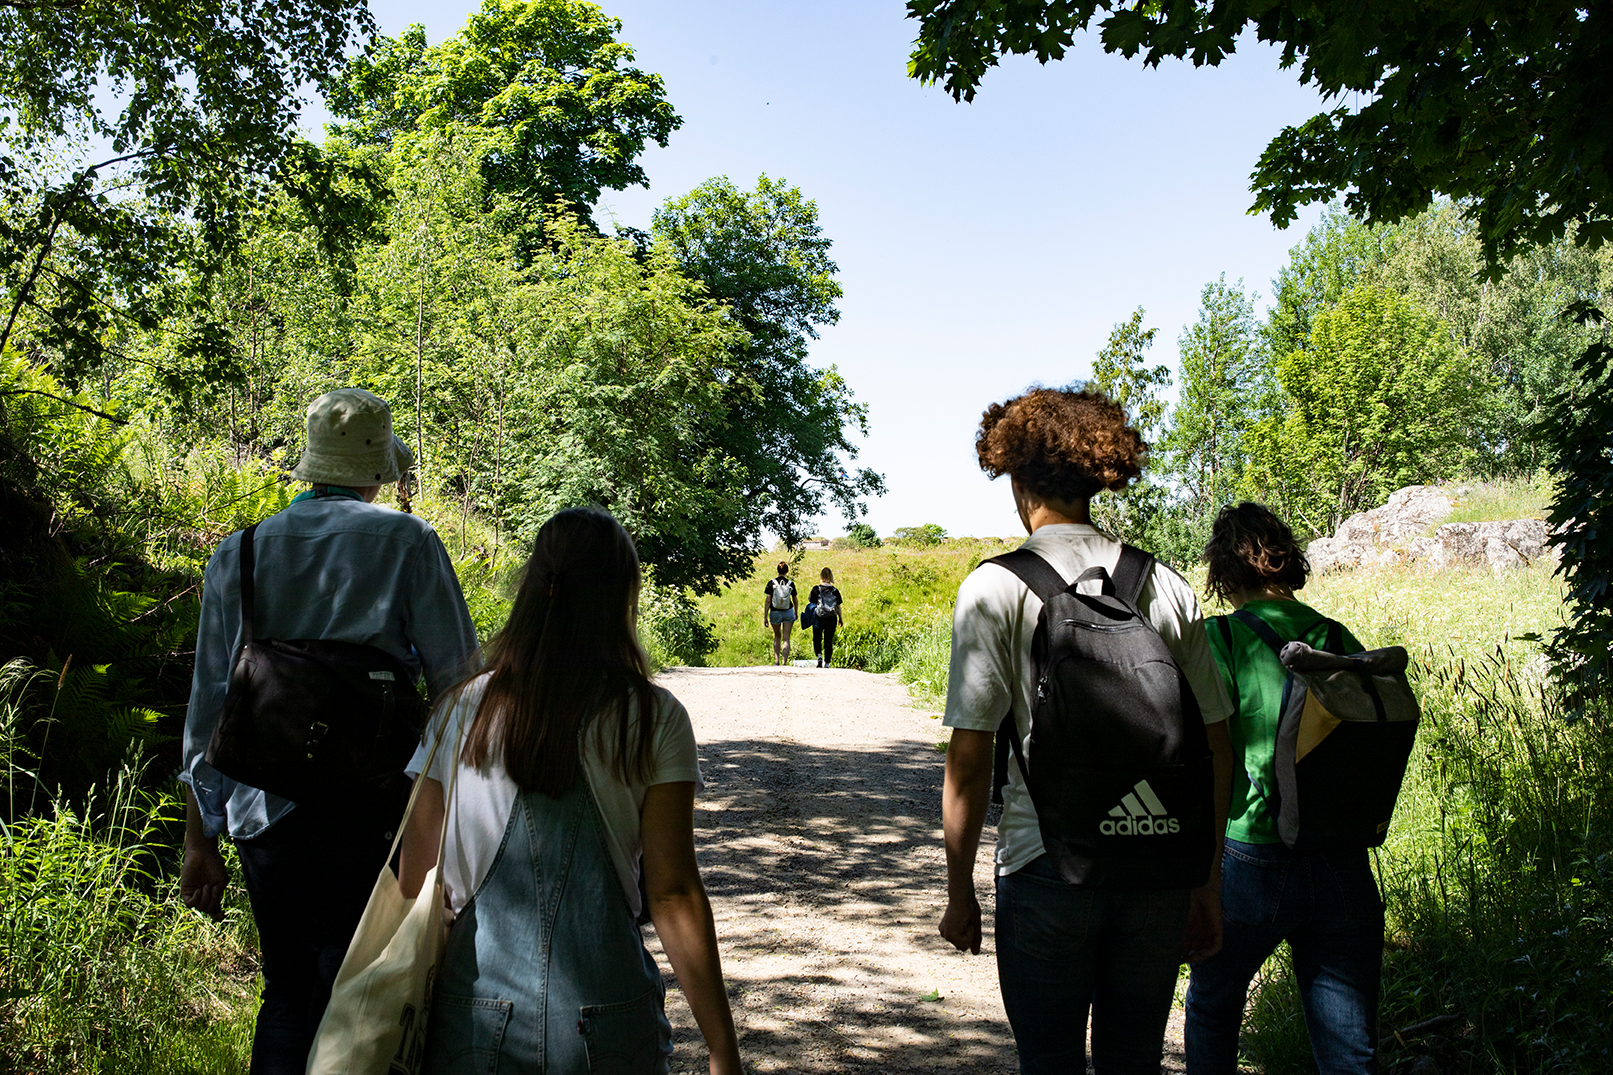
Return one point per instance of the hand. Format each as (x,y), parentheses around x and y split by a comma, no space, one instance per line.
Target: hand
(202,880)
(960,924)
(1204,921)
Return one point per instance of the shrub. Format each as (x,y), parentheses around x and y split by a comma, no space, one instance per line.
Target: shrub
(673,628)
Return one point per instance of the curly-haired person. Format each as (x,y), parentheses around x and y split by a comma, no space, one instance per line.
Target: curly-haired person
(1063,948)
(1324,903)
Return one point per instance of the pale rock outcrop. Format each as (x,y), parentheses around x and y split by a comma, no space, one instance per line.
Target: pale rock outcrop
(1397,532)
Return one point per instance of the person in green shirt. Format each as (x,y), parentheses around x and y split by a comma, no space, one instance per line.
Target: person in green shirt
(1325,904)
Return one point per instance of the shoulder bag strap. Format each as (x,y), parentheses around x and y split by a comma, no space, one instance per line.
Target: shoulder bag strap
(1335,638)
(248,583)
(419,782)
(1131,572)
(1033,571)
(1262,630)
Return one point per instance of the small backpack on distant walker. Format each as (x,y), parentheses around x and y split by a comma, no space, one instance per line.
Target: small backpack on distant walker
(783,593)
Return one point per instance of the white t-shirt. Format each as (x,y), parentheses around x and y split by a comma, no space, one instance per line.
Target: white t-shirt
(992,668)
(485,797)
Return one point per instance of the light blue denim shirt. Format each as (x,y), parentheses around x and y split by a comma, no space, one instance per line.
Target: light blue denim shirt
(333,568)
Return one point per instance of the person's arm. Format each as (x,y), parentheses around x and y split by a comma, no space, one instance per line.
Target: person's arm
(203,877)
(681,914)
(963,812)
(421,838)
(202,874)
(1204,917)
(438,622)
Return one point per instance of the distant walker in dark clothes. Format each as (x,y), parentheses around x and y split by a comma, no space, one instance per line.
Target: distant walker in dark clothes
(831,615)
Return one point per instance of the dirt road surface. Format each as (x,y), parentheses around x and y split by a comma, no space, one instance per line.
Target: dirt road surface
(819,836)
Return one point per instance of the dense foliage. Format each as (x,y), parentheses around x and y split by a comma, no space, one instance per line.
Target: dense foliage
(137,136)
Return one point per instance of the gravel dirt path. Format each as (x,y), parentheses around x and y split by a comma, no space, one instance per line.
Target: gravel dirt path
(819,836)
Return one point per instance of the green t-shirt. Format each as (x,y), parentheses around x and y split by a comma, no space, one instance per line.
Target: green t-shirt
(1254,682)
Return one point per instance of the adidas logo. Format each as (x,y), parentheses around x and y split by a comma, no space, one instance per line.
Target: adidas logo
(1140,813)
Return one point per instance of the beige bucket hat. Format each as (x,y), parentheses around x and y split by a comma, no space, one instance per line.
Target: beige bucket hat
(350,442)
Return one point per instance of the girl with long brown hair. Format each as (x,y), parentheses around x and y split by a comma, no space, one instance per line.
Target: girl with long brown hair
(574,774)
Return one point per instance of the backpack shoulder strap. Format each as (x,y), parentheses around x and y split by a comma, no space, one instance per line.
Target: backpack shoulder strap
(1131,572)
(248,582)
(1033,571)
(1261,628)
(1335,638)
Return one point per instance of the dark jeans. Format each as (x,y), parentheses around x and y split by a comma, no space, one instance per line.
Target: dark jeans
(309,877)
(823,638)
(1327,907)
(1063,949)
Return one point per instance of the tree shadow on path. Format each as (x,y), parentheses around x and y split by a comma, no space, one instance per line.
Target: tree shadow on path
(827,876)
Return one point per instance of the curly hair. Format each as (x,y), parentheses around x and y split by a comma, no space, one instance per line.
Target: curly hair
(1061,444)
(1250,549)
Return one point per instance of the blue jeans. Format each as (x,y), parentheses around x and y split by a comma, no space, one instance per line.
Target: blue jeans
(1063,949)
(1327,907)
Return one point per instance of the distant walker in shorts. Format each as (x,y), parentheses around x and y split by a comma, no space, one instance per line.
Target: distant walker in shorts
(778,609)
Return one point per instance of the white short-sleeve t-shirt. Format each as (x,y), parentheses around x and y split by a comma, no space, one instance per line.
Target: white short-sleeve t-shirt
(485,797)
(992,669)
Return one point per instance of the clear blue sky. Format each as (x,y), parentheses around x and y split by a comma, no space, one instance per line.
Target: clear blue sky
(982,247)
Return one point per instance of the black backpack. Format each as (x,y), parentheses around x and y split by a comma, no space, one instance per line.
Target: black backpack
(1345,732)
(316,721)
(1120,768)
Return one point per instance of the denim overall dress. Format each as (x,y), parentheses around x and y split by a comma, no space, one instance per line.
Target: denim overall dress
(545,970)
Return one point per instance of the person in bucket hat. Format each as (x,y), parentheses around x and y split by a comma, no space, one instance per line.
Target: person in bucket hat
(331,565)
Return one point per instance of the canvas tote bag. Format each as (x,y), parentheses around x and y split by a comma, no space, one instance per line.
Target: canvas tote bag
(375,1023)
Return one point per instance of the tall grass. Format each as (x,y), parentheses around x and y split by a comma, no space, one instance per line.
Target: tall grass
(101,968)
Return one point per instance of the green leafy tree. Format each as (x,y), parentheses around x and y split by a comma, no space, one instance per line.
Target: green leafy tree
(1121,373)
(1381,398)
(565,112)
(763,255)
(1515,326)
(1222,377)
(921,537)
(862,536)
(1338,254)
(192,106)
(623,389)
